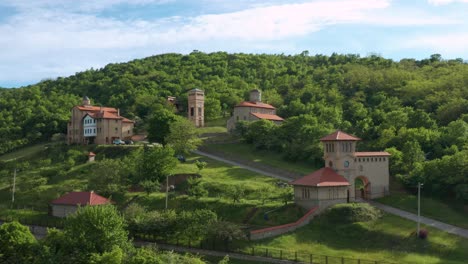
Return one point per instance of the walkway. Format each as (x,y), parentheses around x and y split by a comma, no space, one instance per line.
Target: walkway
(234,163)
(413,217)
(424,220)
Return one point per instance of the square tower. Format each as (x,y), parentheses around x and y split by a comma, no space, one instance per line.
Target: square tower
(196,107)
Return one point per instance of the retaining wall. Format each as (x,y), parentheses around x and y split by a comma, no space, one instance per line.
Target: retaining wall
(281,229)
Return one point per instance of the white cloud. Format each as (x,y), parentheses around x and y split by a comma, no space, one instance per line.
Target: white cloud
(448,44)
(445,2)
(50,38)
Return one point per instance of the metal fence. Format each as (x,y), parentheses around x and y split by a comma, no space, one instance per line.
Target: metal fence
(229,247)
(219,245)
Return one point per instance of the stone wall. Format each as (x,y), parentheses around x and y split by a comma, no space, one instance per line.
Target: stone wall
(282,229)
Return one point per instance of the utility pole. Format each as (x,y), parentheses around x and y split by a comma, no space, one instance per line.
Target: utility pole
(14,187)
(419,206)
(167,189)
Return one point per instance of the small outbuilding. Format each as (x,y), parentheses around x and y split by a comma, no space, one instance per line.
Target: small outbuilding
(322,188)
(69,203)
(91,157)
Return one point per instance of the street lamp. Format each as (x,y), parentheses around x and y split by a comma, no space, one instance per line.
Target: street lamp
(419,205)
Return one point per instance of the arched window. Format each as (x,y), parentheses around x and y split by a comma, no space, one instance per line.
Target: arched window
(330,164)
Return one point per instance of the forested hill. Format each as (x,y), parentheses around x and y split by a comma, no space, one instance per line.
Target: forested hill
(415,106)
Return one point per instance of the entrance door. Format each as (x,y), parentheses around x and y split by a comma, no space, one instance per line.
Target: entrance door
(362,188)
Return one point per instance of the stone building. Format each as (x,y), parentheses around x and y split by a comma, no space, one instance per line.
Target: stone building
(196,107)
(69,203)
(348,175)
(253,110)
(97,124)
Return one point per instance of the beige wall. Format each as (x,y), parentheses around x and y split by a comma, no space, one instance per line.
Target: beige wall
(243,114)
(320,196)
(109,129)
(63,210)
(196,100)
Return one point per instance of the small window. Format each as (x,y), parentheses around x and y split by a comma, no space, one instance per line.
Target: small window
(192,111)
(361,168)
(199,111)
(237,118)
(245,118)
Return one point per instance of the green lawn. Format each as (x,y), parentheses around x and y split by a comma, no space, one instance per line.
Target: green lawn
(272,159)
(451,213)
(386,239)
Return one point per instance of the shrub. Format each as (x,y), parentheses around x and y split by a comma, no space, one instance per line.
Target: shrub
(423,233)
(352,212)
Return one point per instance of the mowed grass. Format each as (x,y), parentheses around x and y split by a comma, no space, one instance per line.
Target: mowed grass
(451,213)
(388,239)
(272,159)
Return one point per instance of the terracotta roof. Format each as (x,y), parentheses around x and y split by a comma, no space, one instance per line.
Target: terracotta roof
(126,120)
(81,198)
(323,177)
(93,108)
(91,154)
(255,104)
(371,154)
(139,137)
(339,135)
(267,116)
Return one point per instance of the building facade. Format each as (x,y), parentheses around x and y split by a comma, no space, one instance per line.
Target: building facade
(69,203)
(196,107)
(97,125)
(253,110)
(348,175)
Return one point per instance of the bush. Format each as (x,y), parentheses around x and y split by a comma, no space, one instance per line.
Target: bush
(423,233)
(351,213)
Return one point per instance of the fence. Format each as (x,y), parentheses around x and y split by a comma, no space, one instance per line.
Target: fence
(219,245)
(230,247)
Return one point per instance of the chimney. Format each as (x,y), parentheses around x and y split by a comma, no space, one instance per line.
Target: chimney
(118,111)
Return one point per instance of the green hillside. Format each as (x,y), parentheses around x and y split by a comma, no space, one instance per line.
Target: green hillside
(416,109)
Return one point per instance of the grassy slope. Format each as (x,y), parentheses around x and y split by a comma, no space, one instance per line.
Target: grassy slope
(387,239)
(269,158)
(452,213)
(23,152)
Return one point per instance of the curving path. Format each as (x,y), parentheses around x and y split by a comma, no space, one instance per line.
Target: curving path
(424,220)
(392,210)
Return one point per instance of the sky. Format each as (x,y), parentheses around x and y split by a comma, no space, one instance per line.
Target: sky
(45,39)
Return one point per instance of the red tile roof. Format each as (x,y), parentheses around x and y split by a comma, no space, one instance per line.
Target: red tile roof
(103,112)
(339,135)
(126,120)
(81,198)
(323,177)
(91,154)
(93,108)
(255,104)
(267,116)
(371,154)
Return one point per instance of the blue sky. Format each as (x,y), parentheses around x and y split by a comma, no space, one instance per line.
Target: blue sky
(43,39)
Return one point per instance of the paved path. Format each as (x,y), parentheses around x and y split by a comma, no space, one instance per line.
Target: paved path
(413,217)
(266,173)
(424,220)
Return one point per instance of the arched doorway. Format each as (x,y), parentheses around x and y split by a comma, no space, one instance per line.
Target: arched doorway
(362,187)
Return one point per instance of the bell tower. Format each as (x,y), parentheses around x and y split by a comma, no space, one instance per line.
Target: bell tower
(196,107)
(339,149)
(86,101)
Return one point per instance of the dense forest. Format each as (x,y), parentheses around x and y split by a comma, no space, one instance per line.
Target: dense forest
(415,109)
